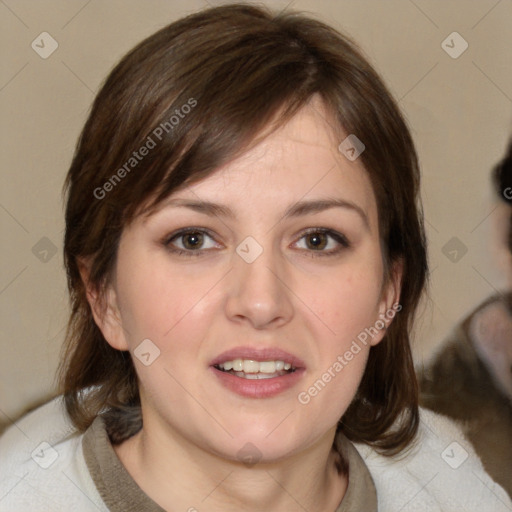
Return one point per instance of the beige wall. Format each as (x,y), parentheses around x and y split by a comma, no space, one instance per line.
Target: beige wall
(460,111)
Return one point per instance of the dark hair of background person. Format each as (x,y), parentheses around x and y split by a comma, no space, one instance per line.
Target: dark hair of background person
(502,179)
(249,70)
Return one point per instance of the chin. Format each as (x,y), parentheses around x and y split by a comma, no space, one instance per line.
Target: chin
(258,445)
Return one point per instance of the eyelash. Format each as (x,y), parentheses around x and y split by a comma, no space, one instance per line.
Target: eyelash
(338,237)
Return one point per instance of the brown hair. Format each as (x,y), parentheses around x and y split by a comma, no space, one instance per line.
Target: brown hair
(237,67)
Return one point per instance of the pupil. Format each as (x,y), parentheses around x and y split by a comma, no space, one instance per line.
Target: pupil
(196,239)
(317,240)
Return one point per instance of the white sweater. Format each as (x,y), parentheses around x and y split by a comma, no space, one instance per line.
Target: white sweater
(442,473)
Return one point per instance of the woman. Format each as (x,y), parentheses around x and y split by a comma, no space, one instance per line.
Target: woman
(245,253)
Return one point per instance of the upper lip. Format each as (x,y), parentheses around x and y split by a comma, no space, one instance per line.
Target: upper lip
(258,354)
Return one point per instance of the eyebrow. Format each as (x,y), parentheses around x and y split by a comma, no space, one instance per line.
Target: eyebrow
(299,209)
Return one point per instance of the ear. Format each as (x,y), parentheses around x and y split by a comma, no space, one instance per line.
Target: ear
(104,307)
(389,304)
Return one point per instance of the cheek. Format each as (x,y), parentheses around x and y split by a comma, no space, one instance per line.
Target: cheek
(156,303)
(348,304)
(350,311)
(329,391)
(172,311)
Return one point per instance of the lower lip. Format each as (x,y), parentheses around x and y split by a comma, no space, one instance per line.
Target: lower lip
(258,388)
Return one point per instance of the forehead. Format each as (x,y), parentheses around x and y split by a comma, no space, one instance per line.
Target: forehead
(299,160)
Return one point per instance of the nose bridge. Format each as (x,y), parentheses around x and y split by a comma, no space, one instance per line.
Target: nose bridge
(258,292)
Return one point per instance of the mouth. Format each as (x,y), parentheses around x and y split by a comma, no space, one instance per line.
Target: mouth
(258,372)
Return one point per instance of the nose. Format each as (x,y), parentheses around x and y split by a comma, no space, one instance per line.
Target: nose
(258,292)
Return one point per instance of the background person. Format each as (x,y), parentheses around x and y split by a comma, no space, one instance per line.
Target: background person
(470,378)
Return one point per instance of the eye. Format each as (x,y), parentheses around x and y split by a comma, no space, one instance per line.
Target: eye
(189,241)
(317,240)
(194,242)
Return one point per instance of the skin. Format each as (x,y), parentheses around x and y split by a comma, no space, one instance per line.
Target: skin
(193,308)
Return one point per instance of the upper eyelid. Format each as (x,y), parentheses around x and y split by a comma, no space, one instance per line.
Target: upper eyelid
(185,231)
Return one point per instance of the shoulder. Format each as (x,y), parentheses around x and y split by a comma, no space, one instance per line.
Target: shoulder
(43,465)
(439,472)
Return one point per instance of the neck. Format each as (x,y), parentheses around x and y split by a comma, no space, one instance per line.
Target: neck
(178,475)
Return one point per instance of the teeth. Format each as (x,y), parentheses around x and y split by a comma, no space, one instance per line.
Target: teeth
(266,367)
(255,376)
(249,366)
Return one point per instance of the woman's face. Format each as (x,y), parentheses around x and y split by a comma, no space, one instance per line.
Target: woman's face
(253,267)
